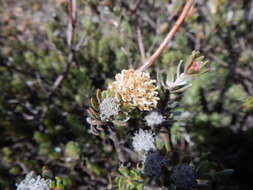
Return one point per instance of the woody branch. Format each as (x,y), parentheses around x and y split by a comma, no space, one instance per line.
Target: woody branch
(169,36)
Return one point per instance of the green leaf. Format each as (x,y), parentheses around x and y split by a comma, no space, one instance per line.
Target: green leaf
(121,183)
(124,171)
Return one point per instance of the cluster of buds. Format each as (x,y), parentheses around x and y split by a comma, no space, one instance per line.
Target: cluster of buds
(153,163)
(182,81)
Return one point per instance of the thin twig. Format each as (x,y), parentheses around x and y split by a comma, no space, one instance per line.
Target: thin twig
(141,46)
(40,83)
(217,59)
(172,32)
(134,4)
(129,58)
(70,36)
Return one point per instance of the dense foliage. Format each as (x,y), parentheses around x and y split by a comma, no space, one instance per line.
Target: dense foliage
(43,122)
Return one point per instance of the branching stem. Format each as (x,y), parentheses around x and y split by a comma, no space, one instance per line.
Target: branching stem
(113,136)
(169,36)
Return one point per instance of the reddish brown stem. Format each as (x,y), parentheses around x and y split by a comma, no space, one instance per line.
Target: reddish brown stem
(169,36)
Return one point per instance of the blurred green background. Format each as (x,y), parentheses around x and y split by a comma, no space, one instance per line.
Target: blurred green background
(45,128)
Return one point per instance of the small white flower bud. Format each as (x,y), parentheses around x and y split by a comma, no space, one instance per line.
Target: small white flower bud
(154,118)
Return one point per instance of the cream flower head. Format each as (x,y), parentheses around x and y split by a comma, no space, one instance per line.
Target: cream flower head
(136,89)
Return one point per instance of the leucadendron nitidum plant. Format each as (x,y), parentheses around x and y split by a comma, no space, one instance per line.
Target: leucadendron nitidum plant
(151,161)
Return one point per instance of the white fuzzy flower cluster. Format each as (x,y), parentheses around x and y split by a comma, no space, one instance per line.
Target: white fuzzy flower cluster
(32,182)
(109,107)
(154,118)
(144,141)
